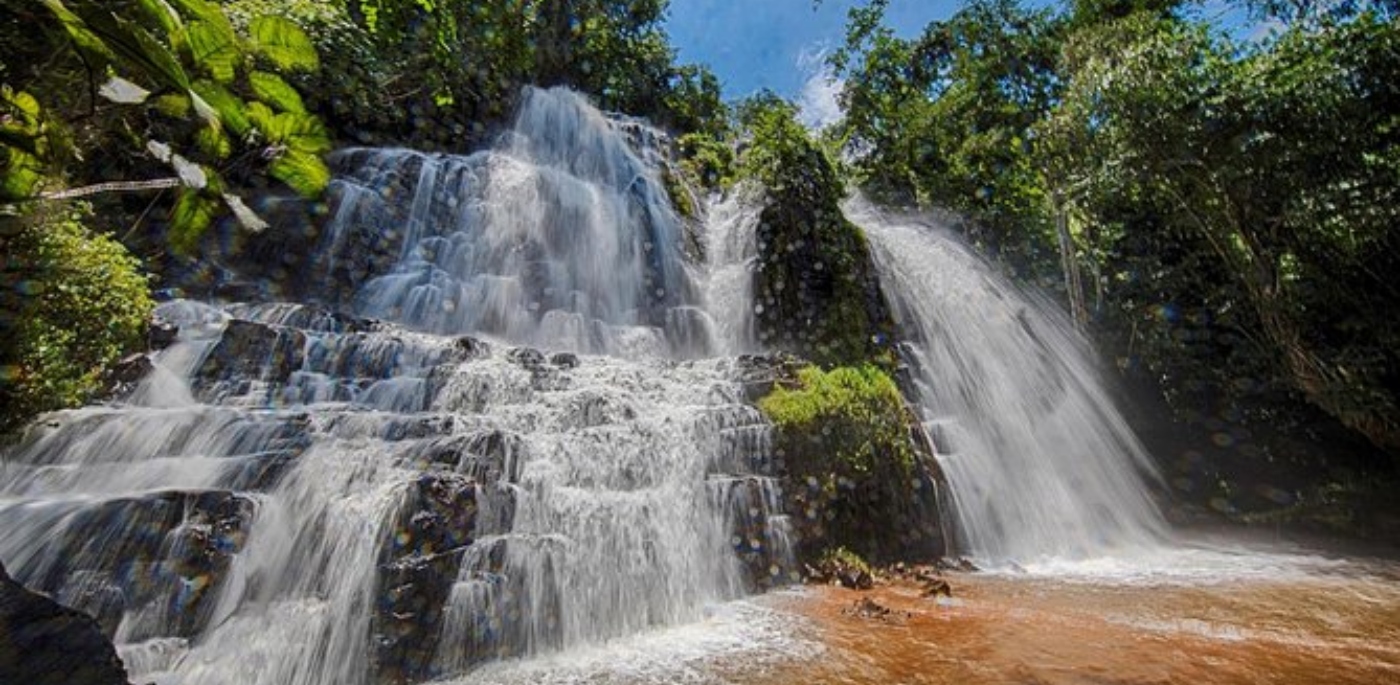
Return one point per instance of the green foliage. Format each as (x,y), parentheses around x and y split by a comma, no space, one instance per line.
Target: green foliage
(1280,168)
(24,135)
(74,302)
(191,78)
(840,557)
(850,422)
(942,120)
(1232,208)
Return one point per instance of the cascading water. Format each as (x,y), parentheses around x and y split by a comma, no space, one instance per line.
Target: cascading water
(731,258)
(1040,463)
(561,235)
(295,497)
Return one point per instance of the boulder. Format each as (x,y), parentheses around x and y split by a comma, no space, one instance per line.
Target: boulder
(45,643)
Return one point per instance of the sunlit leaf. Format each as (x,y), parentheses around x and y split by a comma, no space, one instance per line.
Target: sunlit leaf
(215,49)
(189,219)
(213,142)
(284,43)
(270,88)
(173,105)
(83,37)
(232,111)
(191,174)
(162,13)
(301,171)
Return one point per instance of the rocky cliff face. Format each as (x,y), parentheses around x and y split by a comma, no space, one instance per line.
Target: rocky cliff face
(43,642)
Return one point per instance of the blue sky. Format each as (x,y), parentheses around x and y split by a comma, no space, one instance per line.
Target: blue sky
(753,44)
(778,44)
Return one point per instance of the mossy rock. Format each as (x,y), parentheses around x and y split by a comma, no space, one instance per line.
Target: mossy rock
(856,470)
(817,292)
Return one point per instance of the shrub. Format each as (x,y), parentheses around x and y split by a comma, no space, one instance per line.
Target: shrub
(74,302)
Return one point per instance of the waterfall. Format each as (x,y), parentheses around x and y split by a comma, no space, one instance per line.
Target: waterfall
(731,226)
(1040,463)
(294,496)
(560,235)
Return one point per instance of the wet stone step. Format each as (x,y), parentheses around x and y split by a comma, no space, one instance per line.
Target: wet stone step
(159,559)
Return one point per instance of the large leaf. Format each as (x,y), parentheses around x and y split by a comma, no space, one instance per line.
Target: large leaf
(213,142)
(246,216)
(162,13)
(20,173)
(232,111)
(301,171)
(284,43)
(296,131)
(270,88)
(123,92)
(214,47)
(189,219)
(201,10)
(83,37)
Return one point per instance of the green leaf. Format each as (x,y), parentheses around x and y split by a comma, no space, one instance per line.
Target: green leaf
(232,111)
(19,174)
(303,132)
(83,37)
(262,117)
(123,92)
(270,88)
(173,105)
(162,13)
(215,49)
(301,171)
(202,11)
(284,43)
(189,219)
(213,142)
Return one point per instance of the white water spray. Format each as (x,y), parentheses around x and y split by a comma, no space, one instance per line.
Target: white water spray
(1040,463)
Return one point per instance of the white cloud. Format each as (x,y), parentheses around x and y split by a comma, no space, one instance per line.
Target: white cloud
(817,103)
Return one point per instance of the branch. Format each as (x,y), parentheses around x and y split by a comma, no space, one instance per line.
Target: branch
(112,187)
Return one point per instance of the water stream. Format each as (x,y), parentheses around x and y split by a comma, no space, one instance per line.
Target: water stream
(517,460)
(296,497)
(1039,462)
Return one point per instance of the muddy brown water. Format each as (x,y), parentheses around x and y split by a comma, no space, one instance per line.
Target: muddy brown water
(1001,630)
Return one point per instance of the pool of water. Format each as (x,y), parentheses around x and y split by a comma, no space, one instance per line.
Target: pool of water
(1207,613)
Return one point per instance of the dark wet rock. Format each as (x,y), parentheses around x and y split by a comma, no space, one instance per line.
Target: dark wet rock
(494,456)
(592,409)
(868,608)
(164,555)
(926,576)
(840,569)
(253,351)
(161,334)
(564,360)
(418,427)
(472,348)
(960,564)
(933,587)
(758,374)
(126,374)
(45,643)
(419,563)
(527,357)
